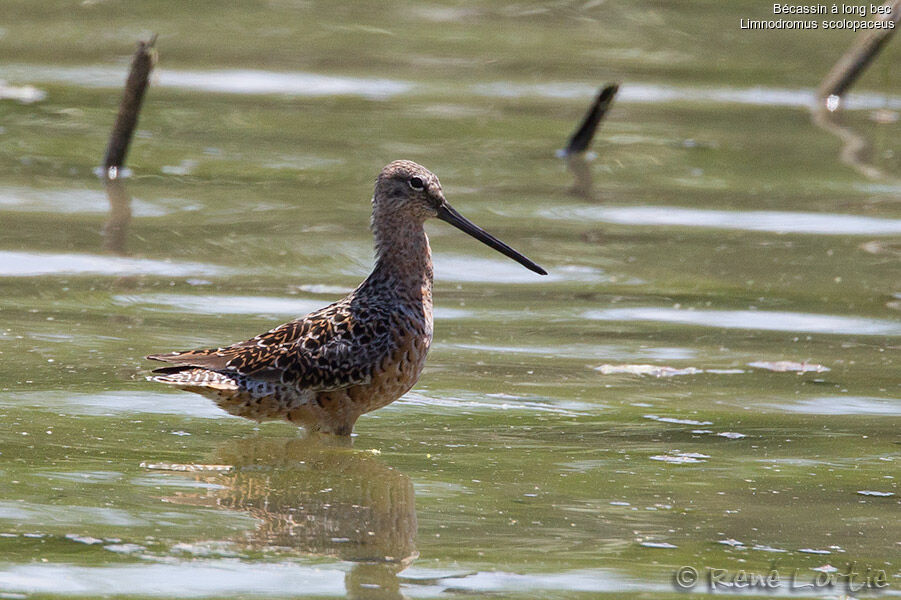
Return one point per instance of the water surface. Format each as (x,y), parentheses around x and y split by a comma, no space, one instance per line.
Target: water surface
(580,435)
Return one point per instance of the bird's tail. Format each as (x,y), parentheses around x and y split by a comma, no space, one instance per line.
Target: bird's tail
(194,377)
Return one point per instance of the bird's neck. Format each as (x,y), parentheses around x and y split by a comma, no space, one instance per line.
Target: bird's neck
(403,258)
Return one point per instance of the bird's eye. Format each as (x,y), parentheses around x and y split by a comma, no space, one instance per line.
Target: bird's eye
(416,183)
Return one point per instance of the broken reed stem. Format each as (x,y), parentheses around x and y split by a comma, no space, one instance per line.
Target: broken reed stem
(127,119)
(867,45)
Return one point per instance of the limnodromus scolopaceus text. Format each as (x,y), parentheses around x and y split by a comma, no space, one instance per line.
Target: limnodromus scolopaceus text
(324,370)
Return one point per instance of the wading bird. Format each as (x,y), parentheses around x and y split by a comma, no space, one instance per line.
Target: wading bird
(324,370)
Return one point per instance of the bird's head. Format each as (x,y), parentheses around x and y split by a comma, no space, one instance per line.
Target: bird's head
(408,190)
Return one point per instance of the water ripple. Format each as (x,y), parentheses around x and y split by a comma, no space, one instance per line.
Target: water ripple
(293,84)
(752,319)
(41,514)
(223,577)
(651,93)
(844,405)
(467,268)
(184,579)
(74,200)
(466,401)
(755,220)
(583,351)
(242,305)
(303,83)
(227,81)
(32,264)
(117,402)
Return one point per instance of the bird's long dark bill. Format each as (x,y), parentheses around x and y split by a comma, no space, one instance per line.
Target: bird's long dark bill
(449,215)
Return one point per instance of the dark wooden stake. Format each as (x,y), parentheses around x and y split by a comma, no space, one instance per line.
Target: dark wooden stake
(582,137)
(825,113)
(127,119)
(867,45)
(116,228)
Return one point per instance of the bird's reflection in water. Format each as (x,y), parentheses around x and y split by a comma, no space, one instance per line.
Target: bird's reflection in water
(320,497)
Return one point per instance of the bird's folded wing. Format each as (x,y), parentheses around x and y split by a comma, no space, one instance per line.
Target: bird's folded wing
(326,350)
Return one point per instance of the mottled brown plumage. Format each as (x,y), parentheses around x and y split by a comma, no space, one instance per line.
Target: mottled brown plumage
(324,370)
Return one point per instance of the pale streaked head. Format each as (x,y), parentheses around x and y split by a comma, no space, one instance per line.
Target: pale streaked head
(409,188)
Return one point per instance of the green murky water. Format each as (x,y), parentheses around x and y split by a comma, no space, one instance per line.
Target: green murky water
(721,231)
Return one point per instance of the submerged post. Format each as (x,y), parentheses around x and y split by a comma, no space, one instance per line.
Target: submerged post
(116,227)
(825,112)
(575,152)
(853,62)
(584,133)
(127,119)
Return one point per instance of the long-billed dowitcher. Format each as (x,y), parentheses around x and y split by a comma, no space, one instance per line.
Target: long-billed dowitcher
(324,370)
